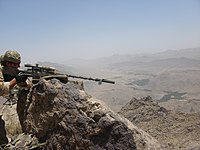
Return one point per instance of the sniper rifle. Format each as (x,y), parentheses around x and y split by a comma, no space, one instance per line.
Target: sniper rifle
(36,72)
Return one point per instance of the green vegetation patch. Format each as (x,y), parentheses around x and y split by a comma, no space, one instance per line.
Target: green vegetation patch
(142,82)
(172,95)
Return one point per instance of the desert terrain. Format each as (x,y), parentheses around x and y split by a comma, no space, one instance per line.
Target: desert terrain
(171,77)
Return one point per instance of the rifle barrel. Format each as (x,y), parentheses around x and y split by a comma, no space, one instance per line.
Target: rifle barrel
(93,79)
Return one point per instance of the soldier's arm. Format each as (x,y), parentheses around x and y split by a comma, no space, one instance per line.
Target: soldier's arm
(6,86)
(13,82)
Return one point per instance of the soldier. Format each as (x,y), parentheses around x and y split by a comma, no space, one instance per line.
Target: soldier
(9,73)
(9,77)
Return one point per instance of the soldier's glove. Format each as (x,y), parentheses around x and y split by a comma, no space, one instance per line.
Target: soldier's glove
(21,77)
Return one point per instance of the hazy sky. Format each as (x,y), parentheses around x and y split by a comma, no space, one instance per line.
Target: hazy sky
(59,30)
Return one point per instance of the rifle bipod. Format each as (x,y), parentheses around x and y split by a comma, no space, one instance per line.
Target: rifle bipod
(11,99)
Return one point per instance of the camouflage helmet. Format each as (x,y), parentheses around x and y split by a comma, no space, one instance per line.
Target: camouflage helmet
(12,56)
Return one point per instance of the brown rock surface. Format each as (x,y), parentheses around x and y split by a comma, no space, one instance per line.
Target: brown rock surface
(173,130)
(3,138)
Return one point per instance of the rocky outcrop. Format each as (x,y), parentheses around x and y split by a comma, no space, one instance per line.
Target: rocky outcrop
(179,131)
(63,116)
(143,110)
(9,122)
(10,116)
(3,138)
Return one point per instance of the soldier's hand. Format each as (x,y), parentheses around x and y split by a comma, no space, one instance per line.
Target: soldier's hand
(21,77)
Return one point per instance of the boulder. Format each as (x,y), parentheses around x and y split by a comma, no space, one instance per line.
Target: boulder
(172,130)
(63,116)
(3,138)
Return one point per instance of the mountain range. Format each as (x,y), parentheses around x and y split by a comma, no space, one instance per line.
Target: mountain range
(164,76)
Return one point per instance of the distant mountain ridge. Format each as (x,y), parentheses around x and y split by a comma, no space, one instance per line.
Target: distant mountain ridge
(189,54)
(185,58)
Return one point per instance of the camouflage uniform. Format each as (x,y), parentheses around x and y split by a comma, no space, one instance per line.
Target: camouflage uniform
(4,86)
(5,72)
(10,56)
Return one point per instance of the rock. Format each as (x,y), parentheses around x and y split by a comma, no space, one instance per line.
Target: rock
(24,141)
(65,117)
(141,110)
(9,122)
(172,130)
(3,138)
(12,124)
